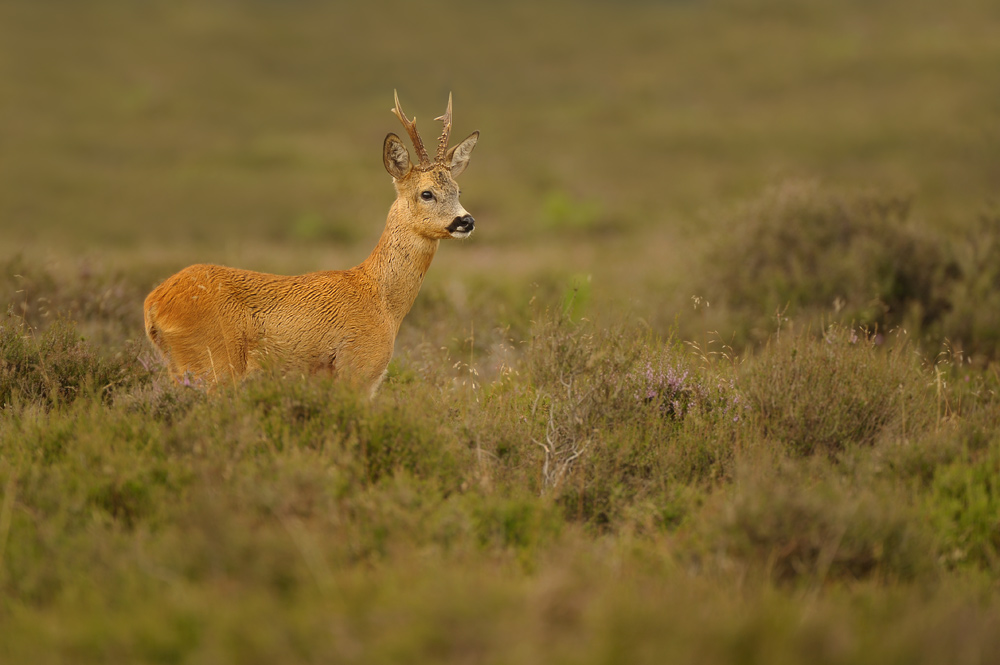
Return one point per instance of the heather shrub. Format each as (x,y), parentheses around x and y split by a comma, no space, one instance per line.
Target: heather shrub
(105,304)
(805,524)
(162,399)
(671,386)
(964,506)
(820,394)
(521,523)
(127,501)
(918,459)
(962,427)
(374,439)
(973,319)
(620,374)
(621,420)
(56,365)
(576,373)
(407,436)
(801,250)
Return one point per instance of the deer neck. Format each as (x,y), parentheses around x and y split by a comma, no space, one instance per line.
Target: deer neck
(397,265)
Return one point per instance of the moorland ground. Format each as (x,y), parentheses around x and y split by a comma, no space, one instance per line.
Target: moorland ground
(715,378)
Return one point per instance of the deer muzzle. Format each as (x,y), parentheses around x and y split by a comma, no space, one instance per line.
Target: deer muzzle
(462,226)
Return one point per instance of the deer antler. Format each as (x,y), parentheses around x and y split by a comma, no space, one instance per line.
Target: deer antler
(445,135)
(411,129)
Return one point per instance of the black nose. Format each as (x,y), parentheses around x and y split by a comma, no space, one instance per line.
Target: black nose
(464,223)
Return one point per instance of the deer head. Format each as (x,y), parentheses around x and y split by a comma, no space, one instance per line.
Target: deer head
(427,190)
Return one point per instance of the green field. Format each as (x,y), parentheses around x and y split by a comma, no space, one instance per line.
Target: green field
(714,381)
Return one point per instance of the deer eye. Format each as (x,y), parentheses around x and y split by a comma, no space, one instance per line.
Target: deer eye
(427,195)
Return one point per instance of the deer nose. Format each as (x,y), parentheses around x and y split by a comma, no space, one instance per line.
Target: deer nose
(463,224)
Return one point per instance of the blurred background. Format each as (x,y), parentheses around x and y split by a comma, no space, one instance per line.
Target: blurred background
(622,143)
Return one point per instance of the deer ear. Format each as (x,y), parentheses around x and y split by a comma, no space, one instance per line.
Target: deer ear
(458,157)
(395,157)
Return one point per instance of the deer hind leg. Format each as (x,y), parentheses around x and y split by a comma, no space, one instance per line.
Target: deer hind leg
(366,371)
(377,383)
(191,358)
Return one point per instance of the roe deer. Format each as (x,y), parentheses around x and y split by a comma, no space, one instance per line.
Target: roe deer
(214,323)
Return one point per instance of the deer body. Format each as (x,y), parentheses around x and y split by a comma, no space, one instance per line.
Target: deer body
(216,323)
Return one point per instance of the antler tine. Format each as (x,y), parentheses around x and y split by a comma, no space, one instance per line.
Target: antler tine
(446,134)
(411,129)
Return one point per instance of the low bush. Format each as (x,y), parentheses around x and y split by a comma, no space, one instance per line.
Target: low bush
(964,505)
(372,439)
(56,365)
(105,304)
(620,421)
(801,250)
(804,524)
(821,394)
(972,321)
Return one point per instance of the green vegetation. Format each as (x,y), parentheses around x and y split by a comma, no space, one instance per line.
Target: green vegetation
(716,379)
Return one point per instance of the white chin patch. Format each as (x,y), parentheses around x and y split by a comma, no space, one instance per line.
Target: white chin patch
(461,234)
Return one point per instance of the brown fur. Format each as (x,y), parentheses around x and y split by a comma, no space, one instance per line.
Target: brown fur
(216,324)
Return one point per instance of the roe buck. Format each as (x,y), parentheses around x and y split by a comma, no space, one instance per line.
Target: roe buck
(215,323)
